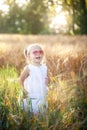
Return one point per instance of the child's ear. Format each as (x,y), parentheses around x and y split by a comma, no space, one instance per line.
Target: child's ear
(25,52)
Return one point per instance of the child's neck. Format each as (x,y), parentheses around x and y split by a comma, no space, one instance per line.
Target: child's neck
(36,64)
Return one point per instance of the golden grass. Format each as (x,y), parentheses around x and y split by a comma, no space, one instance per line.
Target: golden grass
(66,58)
(57,48)
(64,54)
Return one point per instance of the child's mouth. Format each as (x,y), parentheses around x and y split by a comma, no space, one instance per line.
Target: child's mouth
(37,57)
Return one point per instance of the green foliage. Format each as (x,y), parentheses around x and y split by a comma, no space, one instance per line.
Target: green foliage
(9,92)
(31,18)
(59,116)
(78,13)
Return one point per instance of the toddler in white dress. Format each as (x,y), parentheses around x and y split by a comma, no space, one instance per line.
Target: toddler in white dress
(34,79)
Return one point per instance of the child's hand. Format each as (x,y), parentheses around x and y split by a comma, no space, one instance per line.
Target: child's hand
(25,93)
(46,80)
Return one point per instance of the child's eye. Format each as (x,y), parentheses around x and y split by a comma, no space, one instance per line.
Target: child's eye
(38,52)
(35,52)
(41,52)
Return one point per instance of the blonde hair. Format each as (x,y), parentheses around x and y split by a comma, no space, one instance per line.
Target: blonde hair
(28,49)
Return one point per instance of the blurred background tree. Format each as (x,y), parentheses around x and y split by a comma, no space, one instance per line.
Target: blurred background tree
(43,16)
(77,12)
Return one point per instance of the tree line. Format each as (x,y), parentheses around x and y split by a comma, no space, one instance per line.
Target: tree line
(33,17)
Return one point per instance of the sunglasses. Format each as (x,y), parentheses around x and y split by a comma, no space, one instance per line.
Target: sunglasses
(38,52)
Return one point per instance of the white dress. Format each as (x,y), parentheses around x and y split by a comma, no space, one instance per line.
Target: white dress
(35,85)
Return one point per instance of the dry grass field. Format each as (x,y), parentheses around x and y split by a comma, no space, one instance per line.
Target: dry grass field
(64,54)
(57,47)
(66,58)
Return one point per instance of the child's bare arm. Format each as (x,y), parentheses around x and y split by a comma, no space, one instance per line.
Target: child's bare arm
(47,78)
(23,76)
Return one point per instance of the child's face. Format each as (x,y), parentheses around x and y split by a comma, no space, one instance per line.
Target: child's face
(36,55)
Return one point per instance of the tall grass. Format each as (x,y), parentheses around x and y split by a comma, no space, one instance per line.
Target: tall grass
(12,115)
(66,58)
(67,105)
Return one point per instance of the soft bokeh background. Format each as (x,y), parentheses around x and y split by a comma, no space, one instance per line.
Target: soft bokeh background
(43,16)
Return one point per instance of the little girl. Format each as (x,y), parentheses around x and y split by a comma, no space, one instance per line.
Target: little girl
(34,79)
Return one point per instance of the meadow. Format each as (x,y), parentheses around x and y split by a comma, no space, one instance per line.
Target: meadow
(66,58)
